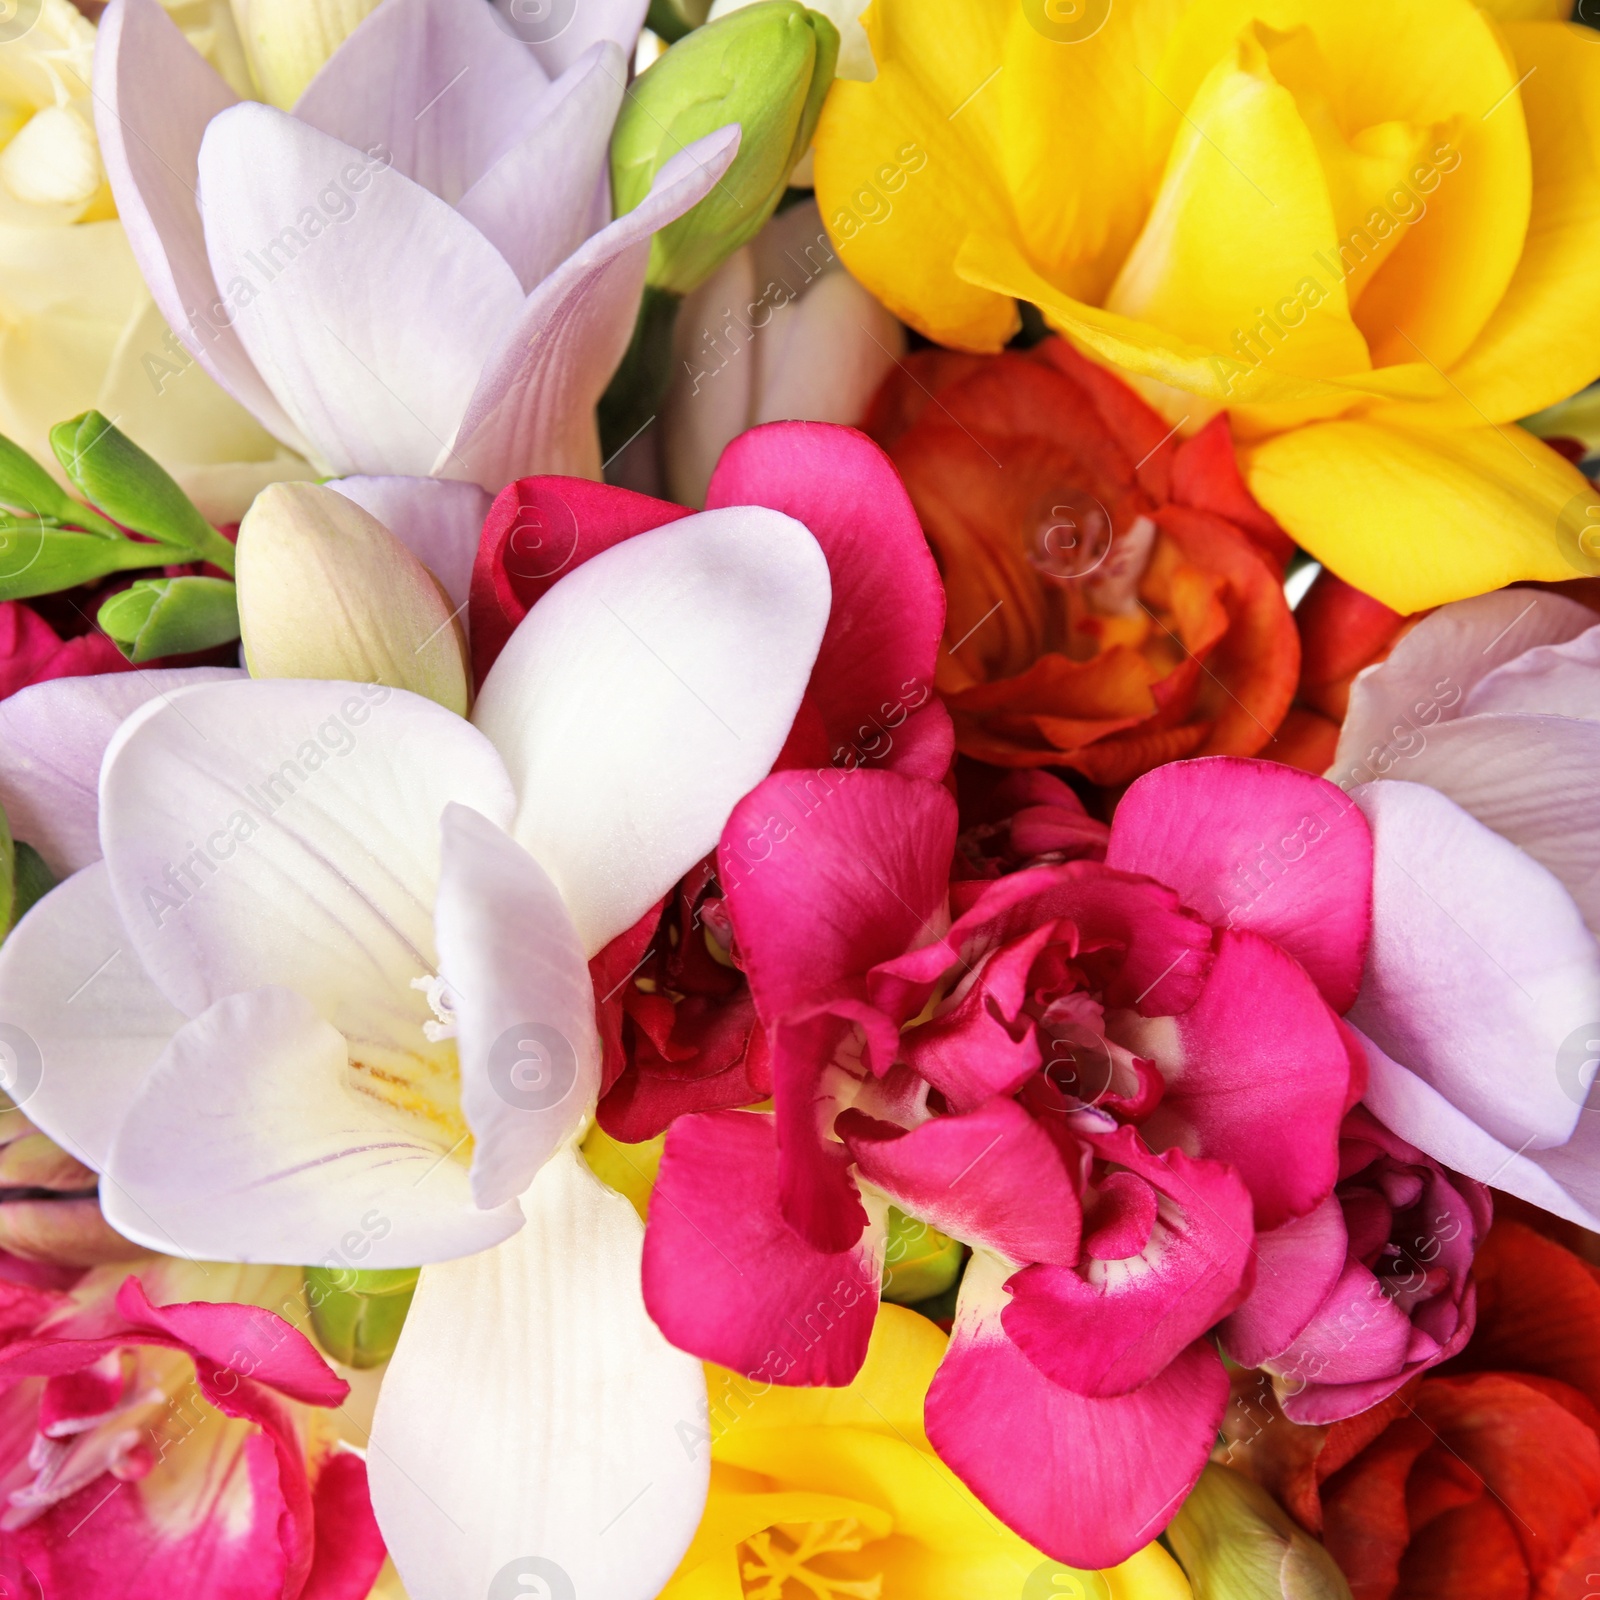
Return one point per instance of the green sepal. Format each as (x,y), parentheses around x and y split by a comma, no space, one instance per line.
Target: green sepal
(357,1316)
(40,558)
(171,616)
(919,1262)
(135,488)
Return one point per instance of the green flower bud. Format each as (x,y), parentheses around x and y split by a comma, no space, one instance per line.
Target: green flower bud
(1237,1543)
(357,1316)
(766,67)
(136,490)
(919,1261)
(326,591)
(39,558)
(26,487)
(171,617)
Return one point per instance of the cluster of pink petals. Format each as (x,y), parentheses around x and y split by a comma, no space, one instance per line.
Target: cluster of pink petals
(1119,1081)
(31,651)
(122,1476)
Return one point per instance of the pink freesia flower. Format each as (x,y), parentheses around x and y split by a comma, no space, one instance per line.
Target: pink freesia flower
(677,1021)
(414,272)
(1474,751)
(1372,1287)
(1108,1078)
(157,1449)
(32,651)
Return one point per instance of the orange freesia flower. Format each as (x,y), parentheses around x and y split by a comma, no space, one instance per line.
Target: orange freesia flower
(1115,598)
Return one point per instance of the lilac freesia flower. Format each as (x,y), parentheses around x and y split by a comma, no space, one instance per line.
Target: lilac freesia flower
(1474,751)
(413,272)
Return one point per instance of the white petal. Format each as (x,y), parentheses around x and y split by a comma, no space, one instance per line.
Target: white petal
(372,328)
(536,203)
(533,408)
(438,520)
(533,1413)
(80,1021)
(559,31)
(646,694)
(524,1005)
(1428,675)
(245,1142)
(154,96)
(287,832)
(1479,969)
(1535,780)
(1559,680)
(434,83)
(53,736)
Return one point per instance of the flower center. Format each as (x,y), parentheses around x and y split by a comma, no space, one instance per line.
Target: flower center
(785,1555)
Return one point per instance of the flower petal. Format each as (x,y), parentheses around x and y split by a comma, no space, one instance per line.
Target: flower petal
(578,24)
(1251,844)
(1297,1265)
(1480,966)
(247,1142)
(645,693)
(523,1004)
(154,97)
(532,1414)
(726,1277)
(1086,1481)
(1553,680)
(877,659)
(433,87)
(53,737)
(437,520)
(374,338)
(532,407)
(70,981)
(287,832)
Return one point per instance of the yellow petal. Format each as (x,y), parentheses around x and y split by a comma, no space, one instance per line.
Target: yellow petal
(1543,341)
(1528,10)
(908,164)
(1419,518)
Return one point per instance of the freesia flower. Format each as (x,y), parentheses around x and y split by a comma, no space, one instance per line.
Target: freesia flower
(77,326)
(1107,1078)
(1354,233)
(316,992)
(780,331)
(1115,600)
(840,1492)
(1383,1269)
(676,1017)
(162,1440)
(1473,751)
(1489,1470)
(412,273)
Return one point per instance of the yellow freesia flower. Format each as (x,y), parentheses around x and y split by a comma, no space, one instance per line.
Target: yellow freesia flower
(836,1494)
(1365,230)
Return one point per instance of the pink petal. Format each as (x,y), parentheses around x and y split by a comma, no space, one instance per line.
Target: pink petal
(728,1280)
(877,660)
(1114,1326)
(1260,1078)
(992,1178)
(1251,844)
(1297,1265)
(1086,1481)
(434,84)
(31,651)
(533,407)
(349,1549)
(829,873)
(438,521)
(154,97)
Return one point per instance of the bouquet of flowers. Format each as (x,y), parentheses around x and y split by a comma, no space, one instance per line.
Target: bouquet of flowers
(799,803)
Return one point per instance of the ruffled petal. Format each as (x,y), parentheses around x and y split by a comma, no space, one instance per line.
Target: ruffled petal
(1297,1265)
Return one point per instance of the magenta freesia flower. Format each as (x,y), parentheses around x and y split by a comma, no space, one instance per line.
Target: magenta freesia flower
(151,1450)
(415,271)
(1108,1078)
(1474,751)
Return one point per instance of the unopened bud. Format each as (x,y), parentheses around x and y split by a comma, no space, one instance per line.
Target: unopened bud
(357,1316)
(1237,1543)
(287,41)
(49,1208)
(171,617)
(766,68)
(919,1262)
(326,591)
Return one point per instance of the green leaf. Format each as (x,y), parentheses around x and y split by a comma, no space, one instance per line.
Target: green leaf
(357,1316)
(33,881)
(39,558)
(171,616)
(135,488)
